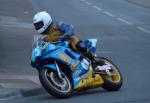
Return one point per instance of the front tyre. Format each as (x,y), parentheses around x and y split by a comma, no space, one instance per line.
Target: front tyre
(53,84)
(113,82)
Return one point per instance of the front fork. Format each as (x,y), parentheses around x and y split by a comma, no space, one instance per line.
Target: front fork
(58,70)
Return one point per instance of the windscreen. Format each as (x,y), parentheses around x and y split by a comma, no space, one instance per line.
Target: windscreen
(37,40)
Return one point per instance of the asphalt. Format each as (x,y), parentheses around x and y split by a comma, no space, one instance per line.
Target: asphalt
(144,3)
(123,31)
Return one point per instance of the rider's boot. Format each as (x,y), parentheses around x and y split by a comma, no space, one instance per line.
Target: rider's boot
(96,62)
(84,50)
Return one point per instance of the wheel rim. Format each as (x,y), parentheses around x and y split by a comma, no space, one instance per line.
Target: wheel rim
(59,84)
(115,78)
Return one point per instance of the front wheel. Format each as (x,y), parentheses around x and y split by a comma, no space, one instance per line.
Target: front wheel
(53,84)
(112,80)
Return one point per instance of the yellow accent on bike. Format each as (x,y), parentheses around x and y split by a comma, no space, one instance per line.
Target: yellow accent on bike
(89,81)
(65,58)
(74,66)
(114,78)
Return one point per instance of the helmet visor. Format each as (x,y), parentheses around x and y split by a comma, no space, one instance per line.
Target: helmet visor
(38,25)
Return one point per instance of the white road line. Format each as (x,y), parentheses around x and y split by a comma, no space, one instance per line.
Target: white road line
(88,3)
(104,52)
(109,14)
(8,18)
(97,8)
(124,21)
(143,29)
(26,12)
(115,38)
(17,25)
(20,77)
(8,98)
(9,21)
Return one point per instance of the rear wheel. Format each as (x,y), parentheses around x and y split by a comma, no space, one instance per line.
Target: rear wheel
(56,86)
(112,78)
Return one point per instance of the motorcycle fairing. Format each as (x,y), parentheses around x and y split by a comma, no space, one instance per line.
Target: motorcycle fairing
(78,73)
(50,66)
(61,56)
(88,81)
(36,53)
(82,76)
(68,57)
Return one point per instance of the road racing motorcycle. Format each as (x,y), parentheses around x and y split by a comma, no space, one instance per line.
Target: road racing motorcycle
(62,70)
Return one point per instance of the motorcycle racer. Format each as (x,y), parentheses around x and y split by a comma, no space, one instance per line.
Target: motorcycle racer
(62,71)
(54,30)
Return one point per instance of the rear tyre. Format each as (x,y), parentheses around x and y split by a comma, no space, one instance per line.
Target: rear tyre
(111,83)
(53,84)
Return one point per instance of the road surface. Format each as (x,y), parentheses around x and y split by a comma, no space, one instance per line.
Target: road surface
(123,31)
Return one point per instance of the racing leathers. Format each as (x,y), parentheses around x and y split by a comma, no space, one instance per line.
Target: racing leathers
(59,30)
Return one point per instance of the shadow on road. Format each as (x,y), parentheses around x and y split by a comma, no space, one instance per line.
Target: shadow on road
(41,91)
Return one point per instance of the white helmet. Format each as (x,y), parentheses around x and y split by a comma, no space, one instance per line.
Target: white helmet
(41,21)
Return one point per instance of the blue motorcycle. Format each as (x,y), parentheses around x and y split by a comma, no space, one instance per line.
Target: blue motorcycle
(62,70)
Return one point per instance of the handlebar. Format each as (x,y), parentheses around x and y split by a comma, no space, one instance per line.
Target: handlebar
(62,38)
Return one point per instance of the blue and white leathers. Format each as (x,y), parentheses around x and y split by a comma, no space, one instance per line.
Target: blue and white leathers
(60,52)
